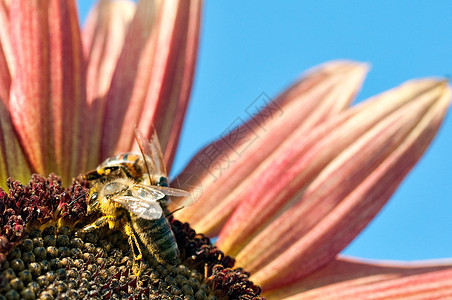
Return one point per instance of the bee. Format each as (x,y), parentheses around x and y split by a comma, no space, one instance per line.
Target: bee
(147,167)
(130,164)
(134,201)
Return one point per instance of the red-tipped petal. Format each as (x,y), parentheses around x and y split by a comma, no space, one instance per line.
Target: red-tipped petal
(297,162)
(68,94)
(347,278)
(12,158)
(173,96)
(348,193)
(103,38)
(232,160)
(30,91)
(48,89)
(152,82)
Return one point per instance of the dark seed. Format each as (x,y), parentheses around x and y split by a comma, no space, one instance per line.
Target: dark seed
(34,287)
(49,240)
(38,242)
(75,252)
(62,240)
(17,265)
(45,266)
(50,276)
(76,243)
(64,251)
(9,274)
(46,296)
(27,245)
(28,257)
(49,231)
(35,269)
(52,252)
(40,253)
(187,290)
(16,284)
(15,254)
(61,273)
(25,276)
(55,263)
(28,294)
(42,280)
(12,295)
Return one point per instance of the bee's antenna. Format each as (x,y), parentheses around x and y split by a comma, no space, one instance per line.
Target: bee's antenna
(177,209)
(139,139)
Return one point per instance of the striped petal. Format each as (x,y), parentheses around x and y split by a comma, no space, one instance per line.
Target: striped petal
(6,56)
(349,191)
(228,165)
(12,158)
(103,38)
(348,278)
(152,82)
(48,89)
(30,90)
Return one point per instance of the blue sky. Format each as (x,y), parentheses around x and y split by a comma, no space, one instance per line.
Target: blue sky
(250,47)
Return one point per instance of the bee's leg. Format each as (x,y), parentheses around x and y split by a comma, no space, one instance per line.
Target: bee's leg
(135,248)
(99,223)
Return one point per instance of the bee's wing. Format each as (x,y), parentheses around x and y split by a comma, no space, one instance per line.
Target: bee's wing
(183,198)
(171,191)
(143,203)
(152,153)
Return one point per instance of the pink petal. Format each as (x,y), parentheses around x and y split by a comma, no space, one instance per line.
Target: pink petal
(152,82)
(295,165)
(68,98)
(346,278)
(351,190)
(48,91)
(103,38)
(174,94)
(30,90)
(323,92)
(12,159)
(5,54)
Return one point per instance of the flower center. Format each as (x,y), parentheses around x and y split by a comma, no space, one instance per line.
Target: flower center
(41,255)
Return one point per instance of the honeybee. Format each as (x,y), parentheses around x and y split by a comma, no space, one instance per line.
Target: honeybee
(134,201)
(147,167)
(131,164)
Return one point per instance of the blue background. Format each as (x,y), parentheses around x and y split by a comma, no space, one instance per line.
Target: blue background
(262,46)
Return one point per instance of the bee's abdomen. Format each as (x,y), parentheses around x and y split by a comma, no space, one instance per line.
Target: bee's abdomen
(159,240)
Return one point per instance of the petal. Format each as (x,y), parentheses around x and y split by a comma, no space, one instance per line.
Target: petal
(226,165)
(30,91)
(103,38)
(173,96)
(351,190)
(12,159)
(152,82)
(68,98)
(48,103)
(347,278)
(6,56)
(296,164)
